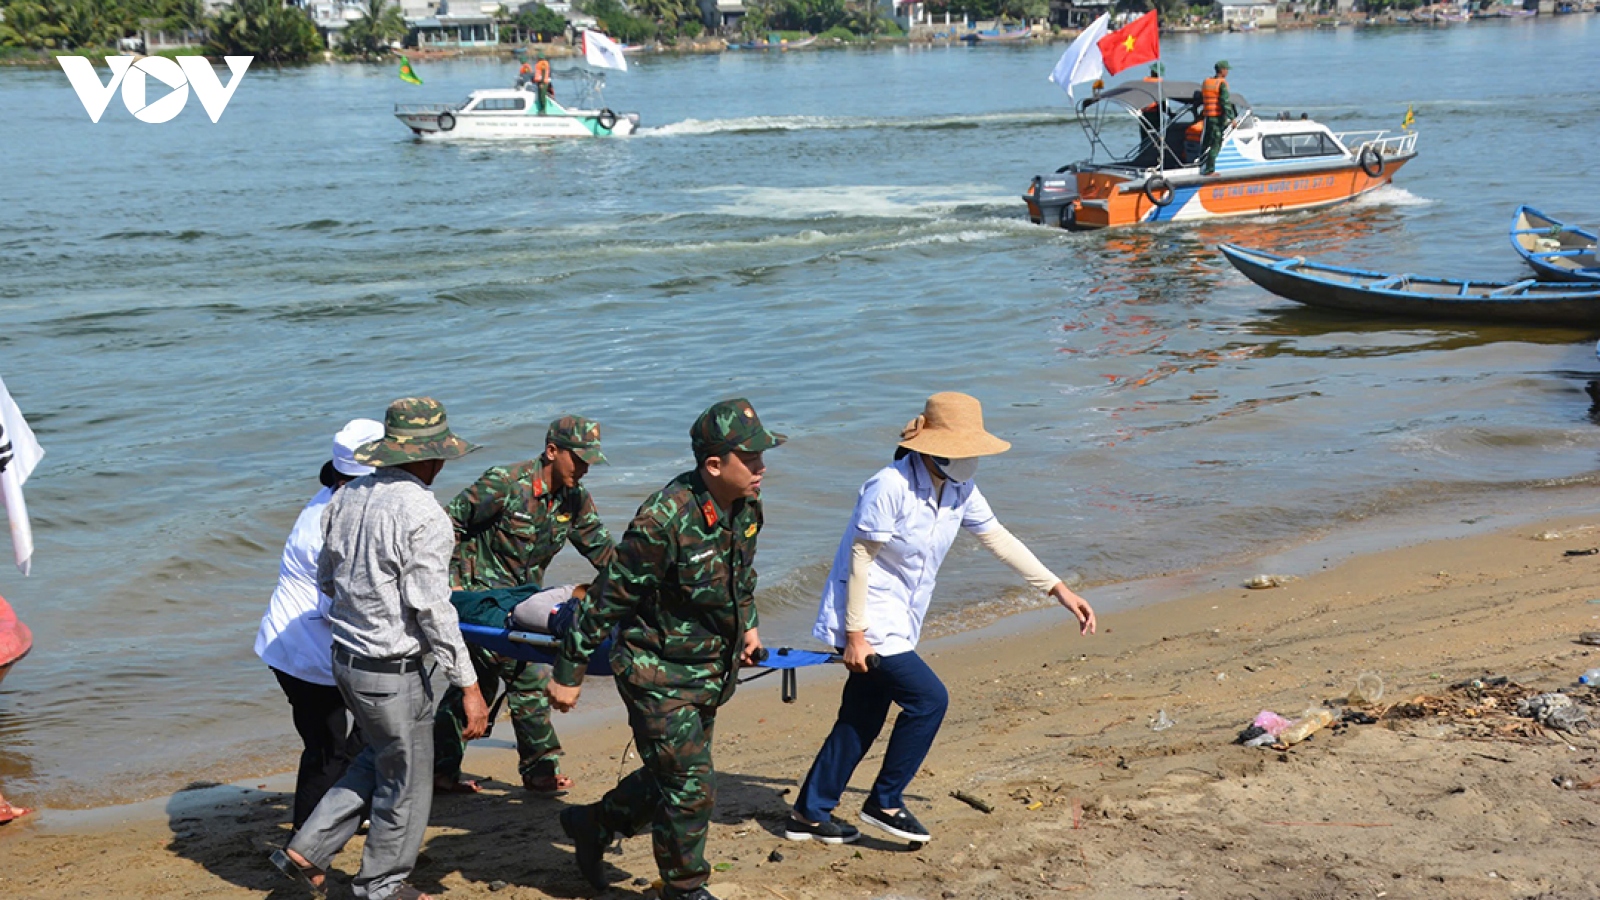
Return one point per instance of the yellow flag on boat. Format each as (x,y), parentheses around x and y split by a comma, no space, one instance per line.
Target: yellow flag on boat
(408,74)
(1411,116)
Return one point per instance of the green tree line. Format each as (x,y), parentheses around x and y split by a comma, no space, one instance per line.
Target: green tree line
(270,30)
(814,16)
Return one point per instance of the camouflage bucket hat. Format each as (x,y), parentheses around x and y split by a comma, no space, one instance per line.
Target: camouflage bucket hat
(731,425)
(580,435)
(414,430)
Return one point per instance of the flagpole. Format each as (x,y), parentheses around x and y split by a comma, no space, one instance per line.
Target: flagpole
(1161,123)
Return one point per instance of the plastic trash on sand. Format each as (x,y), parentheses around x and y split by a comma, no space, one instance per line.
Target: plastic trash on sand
(1306,725)
(1264,731)
(1368,690)
(1270,722)
(1555,710)
(1161,722)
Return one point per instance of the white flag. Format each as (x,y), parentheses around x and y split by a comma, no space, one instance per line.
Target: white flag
(16,440)
(599,50)
(1082,60)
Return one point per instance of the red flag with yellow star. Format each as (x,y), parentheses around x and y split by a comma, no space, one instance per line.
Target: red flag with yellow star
(1135,43)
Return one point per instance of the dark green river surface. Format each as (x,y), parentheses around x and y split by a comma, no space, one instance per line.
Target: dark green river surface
(188,311)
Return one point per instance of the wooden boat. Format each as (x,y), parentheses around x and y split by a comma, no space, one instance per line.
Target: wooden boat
(15,638)
(1019,34)
(771,44)
(1557,251)
(1529,302)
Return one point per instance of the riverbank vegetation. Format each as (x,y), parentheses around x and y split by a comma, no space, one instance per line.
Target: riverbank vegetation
(266,29)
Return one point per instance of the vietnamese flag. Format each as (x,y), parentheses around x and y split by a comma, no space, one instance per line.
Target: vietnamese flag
(1135,43)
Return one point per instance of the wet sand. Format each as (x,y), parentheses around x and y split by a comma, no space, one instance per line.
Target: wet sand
(1054,732)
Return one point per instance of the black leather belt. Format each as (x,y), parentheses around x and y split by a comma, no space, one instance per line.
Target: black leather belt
(367,664)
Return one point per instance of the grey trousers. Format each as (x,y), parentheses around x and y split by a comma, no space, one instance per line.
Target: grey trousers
(394,773)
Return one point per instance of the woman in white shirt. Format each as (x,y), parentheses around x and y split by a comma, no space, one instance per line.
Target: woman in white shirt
(296,641)
(873,605)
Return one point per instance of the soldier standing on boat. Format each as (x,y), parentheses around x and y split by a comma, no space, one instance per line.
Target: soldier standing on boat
(1217,107)
(542,82)
(681,596)
(509,525)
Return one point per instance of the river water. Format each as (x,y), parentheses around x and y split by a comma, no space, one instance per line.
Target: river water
(189,311)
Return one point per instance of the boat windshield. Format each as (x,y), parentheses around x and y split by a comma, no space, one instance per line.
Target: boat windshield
(1147,124)
(588,87)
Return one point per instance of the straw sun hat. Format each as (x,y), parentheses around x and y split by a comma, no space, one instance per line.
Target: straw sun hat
(951,426)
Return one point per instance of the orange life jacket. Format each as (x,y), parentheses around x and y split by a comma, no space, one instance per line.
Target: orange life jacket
(541,72)
(1211,95)
(525,70)
(1195,132)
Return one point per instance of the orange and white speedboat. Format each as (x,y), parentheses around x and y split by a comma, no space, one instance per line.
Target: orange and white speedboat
(1265,165)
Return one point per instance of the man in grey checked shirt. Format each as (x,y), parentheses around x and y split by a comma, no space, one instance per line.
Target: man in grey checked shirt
(386,563)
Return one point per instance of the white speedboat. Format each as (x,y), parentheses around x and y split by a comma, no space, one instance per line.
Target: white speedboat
(497,113)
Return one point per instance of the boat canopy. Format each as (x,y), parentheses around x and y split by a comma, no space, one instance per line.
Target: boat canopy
(1137,95)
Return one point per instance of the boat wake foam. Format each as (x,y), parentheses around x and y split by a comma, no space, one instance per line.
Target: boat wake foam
(857,201)
(1390,195)
(769,124)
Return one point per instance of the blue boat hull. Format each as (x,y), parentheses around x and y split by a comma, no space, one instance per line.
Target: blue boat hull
(1376,293)
(1554,249)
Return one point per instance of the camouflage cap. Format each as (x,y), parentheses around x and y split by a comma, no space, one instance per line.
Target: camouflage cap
(580,435)
(414,430)
(1221,66)
(731,425)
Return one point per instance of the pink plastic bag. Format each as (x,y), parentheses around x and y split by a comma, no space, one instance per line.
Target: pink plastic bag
(1271,722)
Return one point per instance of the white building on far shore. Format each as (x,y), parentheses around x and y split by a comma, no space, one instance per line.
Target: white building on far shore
(1251,13)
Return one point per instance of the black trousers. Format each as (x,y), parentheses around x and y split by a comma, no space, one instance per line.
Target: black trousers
(330,736)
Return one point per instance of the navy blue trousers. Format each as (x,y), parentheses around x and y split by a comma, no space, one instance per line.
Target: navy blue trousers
(904,680)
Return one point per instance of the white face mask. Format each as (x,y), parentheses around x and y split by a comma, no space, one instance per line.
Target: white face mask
(958,470)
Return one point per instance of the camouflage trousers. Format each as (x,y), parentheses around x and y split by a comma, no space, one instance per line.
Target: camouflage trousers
(673,793)
(1211,143)
(538,748)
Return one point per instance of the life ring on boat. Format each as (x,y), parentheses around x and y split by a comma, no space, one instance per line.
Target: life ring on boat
(1371,161)
(447,122)
(607,119)
(1158,190)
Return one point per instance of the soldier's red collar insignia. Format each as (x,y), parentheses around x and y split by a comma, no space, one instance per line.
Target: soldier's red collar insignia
(709,510)
(539,487)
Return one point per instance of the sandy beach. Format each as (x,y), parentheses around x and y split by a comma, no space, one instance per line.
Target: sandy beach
(1449,797)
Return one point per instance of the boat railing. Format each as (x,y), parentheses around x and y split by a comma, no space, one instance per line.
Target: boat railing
(1387,143)
(589,87)
(423,109)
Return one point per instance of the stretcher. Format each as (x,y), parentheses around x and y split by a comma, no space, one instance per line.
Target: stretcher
(534,647)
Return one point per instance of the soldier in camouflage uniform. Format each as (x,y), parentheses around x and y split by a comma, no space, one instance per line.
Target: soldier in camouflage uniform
(509,525)
(681,597)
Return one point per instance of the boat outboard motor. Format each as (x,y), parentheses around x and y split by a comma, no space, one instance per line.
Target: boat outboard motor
(1051,199)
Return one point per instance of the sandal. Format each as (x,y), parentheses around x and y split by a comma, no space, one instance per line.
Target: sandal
(306,874)
(10,813)
(443,784)
(552,785)
(407,892)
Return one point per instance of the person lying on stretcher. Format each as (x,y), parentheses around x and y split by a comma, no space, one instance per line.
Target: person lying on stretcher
(527,608)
